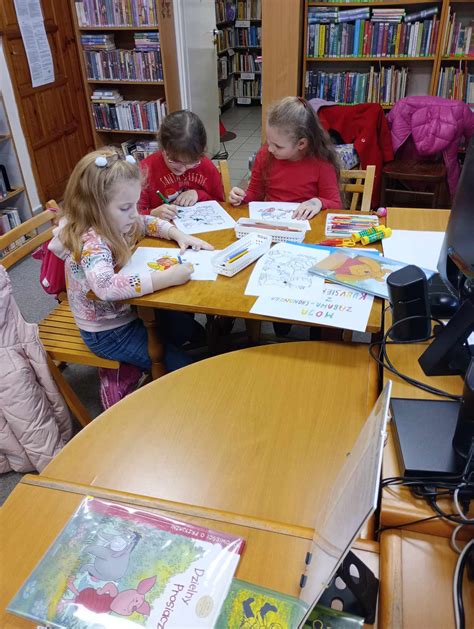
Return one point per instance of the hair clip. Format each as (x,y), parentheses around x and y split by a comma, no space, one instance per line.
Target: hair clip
(101,161)
(130,159)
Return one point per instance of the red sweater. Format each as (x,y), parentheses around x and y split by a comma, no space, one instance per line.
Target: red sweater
(293,181)
(205,179)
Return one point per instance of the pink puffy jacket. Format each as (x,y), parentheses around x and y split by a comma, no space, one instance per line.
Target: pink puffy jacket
(34,420)
(436,125)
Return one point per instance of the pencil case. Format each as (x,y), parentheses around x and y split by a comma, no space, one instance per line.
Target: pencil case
(257,245)
(279,232)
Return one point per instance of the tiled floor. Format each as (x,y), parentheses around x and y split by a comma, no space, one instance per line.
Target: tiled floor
(246,123)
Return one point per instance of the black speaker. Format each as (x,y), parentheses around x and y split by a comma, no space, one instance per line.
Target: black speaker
(408,294)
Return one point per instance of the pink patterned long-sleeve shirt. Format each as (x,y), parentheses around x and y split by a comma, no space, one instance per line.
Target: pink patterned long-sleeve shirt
(95,272)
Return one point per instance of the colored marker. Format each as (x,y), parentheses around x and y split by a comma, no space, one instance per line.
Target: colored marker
(236,257)
(180,259)
(162,197)
(236,253)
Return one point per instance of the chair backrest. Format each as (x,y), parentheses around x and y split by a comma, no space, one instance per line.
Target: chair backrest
(28,231)
(223,168)
(358,184)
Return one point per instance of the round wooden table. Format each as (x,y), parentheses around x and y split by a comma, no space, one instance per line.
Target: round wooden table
(259,432)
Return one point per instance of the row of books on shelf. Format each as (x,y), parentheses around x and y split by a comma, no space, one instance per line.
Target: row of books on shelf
(226,11)
(249,9)
(10,218)
(117,12)
(140,149)
(123,65)
(251,89)
(245,62)
(143,41)
(225,39)
(251,36)
(395,14)
(373,39)
(129,115)
(384,86)
(456,84)
(458,37)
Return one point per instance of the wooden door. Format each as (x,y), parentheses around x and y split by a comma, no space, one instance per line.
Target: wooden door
(54,117)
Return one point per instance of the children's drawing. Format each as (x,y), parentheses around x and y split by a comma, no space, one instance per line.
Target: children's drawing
(163,263)
(283,272)
(206,216)
(146,259)
(276,211)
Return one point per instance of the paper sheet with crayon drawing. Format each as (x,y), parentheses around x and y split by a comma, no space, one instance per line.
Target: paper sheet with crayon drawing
(276,211)
(206,216)
(160,258)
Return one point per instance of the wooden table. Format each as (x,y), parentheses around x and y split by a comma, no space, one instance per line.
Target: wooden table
(258,433)
(416,576)
(224,297)
(247,442)
(399,506)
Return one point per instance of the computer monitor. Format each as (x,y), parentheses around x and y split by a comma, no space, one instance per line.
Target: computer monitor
(434,437)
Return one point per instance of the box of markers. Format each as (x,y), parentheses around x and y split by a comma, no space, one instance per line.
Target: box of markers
(279,231)
(240,254)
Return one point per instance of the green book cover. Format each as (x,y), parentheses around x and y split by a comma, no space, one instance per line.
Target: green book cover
(325,618)
(249,606)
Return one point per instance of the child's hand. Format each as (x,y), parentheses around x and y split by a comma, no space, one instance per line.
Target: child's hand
(185,241)
(187,198)
(308,209)
(236,195)
(165,212)
(174,276)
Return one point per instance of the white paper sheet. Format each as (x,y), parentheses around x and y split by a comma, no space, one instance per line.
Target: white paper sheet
(331,305)
(283,272)
(201,260)
(35,41)
(276,211)
(206,216)
(414,247)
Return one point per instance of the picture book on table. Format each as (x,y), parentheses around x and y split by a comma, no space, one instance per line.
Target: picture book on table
(358,269)
(249,606)
(115,567)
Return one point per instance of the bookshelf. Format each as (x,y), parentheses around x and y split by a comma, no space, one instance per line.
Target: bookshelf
(247,65)
(129,66)
(15,206)
(225,18)
(366,58)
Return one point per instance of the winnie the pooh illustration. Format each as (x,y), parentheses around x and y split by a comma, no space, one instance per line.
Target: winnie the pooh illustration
(352,270)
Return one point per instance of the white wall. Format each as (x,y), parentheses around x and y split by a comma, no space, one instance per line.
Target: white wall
(6,89)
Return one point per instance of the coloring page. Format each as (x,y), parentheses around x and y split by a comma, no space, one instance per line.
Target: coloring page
(276,211)
(283,272)
(206,216)
(328,304)
(159,258)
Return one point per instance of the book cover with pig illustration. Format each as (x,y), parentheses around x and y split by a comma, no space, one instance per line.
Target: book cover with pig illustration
(113,566)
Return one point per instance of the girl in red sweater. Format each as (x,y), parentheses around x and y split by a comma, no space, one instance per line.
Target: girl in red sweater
(179,171)
(298,162)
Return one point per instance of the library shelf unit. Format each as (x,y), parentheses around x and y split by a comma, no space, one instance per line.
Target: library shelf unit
(99,70)
(381,77)
(15,205)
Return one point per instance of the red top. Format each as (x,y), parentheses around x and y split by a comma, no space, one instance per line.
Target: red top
(293,181)
(205,179)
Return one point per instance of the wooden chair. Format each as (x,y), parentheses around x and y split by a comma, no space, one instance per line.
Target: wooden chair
(360,184)
(424,173)
(58,332)
(223,168)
